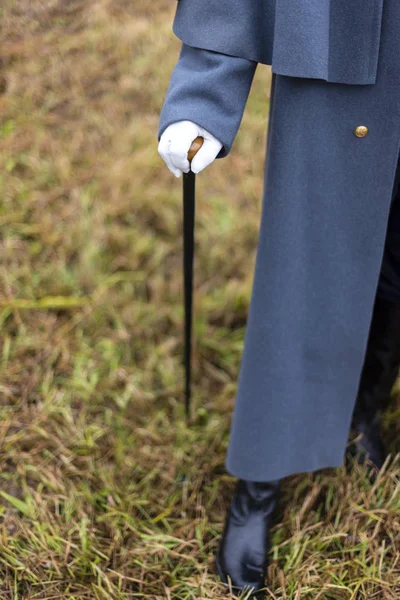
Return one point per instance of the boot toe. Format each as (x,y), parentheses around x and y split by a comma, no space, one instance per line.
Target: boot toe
(242,555)
(239,586)
(242,574)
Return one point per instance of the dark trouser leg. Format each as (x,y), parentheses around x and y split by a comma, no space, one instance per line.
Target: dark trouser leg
(382,359)
(389,280)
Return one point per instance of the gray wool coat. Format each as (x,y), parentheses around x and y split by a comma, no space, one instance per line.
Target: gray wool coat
(335,40)
(326,201)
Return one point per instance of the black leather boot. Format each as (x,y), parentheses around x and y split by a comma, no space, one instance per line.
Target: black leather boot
(380,371)
(244,546)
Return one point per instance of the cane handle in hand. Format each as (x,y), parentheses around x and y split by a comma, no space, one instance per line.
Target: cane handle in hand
(195,147)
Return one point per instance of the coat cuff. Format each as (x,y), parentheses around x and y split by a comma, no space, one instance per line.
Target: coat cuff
(210,89)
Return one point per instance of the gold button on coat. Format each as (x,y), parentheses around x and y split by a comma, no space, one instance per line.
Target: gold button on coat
(361,131)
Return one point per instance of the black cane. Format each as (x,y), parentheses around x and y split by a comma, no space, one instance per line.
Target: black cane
(189,183)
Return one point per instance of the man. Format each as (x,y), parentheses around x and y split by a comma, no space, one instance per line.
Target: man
(322,343)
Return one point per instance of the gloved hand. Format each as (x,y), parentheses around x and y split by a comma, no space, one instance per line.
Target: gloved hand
(175,143)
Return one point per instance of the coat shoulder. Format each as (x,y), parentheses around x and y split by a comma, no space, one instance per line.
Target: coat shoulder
(337,42)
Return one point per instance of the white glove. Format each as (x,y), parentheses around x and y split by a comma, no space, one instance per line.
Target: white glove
(175,143)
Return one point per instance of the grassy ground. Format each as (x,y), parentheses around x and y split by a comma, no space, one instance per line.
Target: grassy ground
(93,445)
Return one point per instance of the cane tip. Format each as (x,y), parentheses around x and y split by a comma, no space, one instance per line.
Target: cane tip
(195,147)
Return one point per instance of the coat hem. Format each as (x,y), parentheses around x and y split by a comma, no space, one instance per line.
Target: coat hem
(272,474)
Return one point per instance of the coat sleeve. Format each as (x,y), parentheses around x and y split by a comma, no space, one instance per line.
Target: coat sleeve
(210,89)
